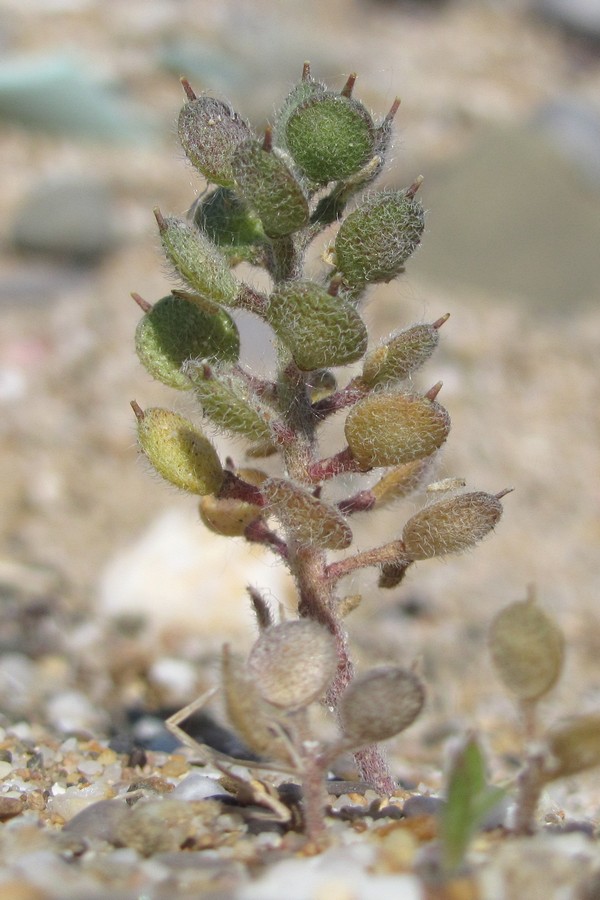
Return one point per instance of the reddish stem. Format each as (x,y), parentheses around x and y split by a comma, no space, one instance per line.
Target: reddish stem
(335,465)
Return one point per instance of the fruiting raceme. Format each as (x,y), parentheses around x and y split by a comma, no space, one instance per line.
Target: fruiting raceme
(451,525)
(178,328)
(312,521)
(197,260)
(527,649)
(375,240)
(270,189)
(330,137)
(179,451)
(226,401)
(210,131)
(392,428)
(319,330)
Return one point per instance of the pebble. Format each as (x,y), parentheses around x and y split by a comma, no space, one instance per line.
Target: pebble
(6,768)
(156,826)
(176,677)
(197,787)
(98,821)
(72,711)
(10,807)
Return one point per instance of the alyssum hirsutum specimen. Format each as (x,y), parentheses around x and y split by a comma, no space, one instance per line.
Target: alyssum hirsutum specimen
(271,197)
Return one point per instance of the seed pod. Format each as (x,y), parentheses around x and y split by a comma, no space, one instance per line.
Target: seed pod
(210,131)
(230,518)
(330,137)
(293,663)
(380,704)
(400,356)
(197,260)
(318,329)
(401,481)
(451,525)
(311,520)
(376,239)
(574,746)
(179,451)
(270,189)
(390,429)
(176,329)
(527,649)
(228,222)
(247,712)
(226,401)
(299,94)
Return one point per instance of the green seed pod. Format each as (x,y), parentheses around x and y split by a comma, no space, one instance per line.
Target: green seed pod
(230,518)
(376,239)
(300,93)
(197,260)
(226,401)
(451,525)
(389,429)
(311,520)
(318,329)
(210,131)
(400,356)
(247,712)
(229,223)
(574,746)
(380,704)
(176,329)
(179,451)
(270,189)
(527,649)
(400,482)
(293,663)
(330,137)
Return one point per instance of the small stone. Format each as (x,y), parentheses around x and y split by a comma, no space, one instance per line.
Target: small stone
(99,821)
(10,807)
(156,826)
(6,768)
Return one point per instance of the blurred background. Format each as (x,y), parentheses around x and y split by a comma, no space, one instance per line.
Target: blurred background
(112,593)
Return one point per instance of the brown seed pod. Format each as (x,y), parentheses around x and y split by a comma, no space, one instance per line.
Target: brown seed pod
(451,525)
(380,704)
(574,746)
(312,521)
(292,663)
(527,649)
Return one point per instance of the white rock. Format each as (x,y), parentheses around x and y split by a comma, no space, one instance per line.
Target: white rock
(180,576)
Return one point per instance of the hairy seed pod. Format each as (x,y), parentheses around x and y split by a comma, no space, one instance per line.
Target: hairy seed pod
(330,137)
(451,526)
(312,521)
(318,329)
(574,746)
(228,403)
(197,260)
(401,481)
(247,712)
(299,94)
(375,240)
(227,221)
(527,649)
(179,451)
(270,189)
(230,518)
(210,131)
(400,356)
(380,704)
(176,329)
(293,663)
(393,428)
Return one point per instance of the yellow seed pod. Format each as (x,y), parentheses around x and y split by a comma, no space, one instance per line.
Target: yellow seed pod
(451,526)
(230,518)
(392,428)
(179,451)
(312,521)
(400,481)
(574,746)
(293,663)
(527,649)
